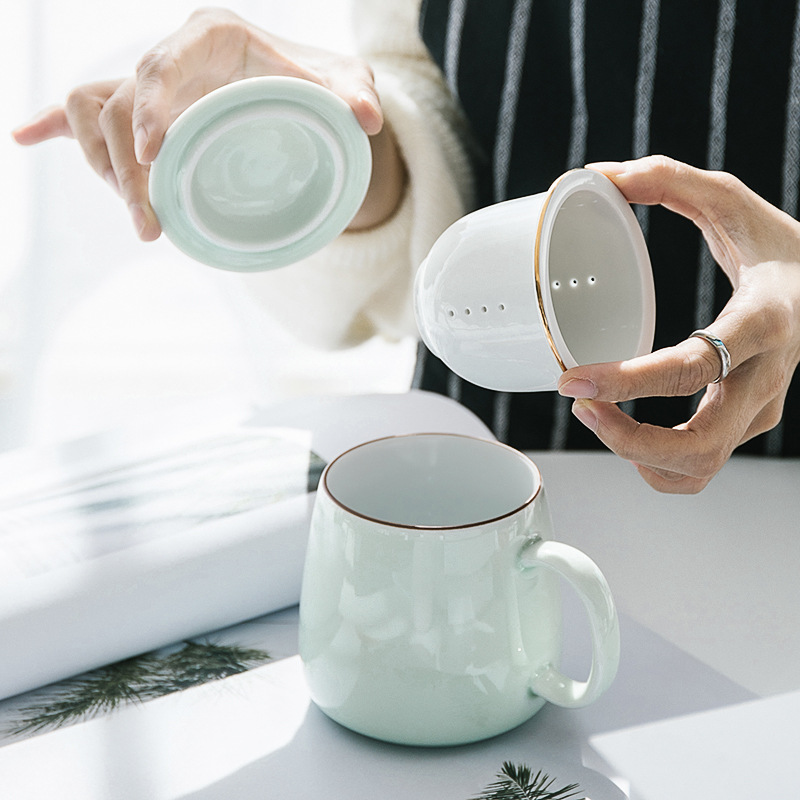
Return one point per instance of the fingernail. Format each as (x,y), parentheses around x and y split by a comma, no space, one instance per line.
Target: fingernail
(369,99)
(583,411)
(614,168)
(140,140)
(579,388)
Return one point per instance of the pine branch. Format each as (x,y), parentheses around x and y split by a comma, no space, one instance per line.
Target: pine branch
(519,783)
(89,695)
(197,663)
(134,680)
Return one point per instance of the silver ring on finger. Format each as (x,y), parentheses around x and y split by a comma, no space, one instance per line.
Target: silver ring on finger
(722,352)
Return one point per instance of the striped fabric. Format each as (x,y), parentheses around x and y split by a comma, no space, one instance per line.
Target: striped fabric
(548,85)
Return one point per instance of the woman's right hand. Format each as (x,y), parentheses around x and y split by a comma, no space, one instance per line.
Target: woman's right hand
(120,124)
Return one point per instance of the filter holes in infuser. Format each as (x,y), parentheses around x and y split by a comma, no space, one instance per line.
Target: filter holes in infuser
(573,282)
(484,309)
(501,307)
(556,284)
(592,279)
(604,322)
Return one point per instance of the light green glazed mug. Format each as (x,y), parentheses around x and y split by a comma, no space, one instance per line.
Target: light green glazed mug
(430,611)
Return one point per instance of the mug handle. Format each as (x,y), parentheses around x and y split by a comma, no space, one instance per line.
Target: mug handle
(586,579)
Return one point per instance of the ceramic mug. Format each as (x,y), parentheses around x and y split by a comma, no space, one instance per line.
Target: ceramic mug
(430,607)
(512,295)
(260,173)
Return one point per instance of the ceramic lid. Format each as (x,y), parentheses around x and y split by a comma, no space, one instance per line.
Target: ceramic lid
(260,173)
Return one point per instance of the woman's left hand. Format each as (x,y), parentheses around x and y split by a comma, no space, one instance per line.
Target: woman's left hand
(758,248)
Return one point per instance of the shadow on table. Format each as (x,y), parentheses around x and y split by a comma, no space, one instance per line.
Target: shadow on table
(656,681)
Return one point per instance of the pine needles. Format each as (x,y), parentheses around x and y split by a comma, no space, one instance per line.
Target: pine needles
(134,680)
(519,783)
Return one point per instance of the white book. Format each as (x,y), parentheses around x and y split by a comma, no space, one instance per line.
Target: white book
(135,539)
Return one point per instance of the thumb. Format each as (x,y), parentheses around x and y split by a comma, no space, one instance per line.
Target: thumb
(356,86)
(368,111)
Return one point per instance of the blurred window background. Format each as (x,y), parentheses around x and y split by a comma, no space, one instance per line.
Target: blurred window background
(96,327)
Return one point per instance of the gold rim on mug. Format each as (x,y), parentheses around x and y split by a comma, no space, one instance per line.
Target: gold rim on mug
(461,526)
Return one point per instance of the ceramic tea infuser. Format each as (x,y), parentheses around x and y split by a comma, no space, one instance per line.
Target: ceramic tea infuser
(512,295)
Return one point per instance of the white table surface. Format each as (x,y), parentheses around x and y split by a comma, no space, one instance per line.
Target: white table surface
(708,593)
(717,573)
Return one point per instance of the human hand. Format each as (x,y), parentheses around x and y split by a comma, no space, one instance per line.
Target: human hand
(120,124)
(758,248)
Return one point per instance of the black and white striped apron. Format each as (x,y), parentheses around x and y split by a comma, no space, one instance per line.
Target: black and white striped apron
(548,85)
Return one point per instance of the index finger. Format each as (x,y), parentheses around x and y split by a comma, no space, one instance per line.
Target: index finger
(671,372)
(659,180)
(49,123)
(680,370)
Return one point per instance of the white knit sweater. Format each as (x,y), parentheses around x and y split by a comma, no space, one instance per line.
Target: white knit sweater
(360,285)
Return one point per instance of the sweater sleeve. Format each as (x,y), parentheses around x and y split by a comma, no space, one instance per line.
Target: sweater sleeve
(361,284)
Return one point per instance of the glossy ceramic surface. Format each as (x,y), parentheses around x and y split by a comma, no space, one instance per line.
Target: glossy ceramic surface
(513,294)
(430,609)
(260,173)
